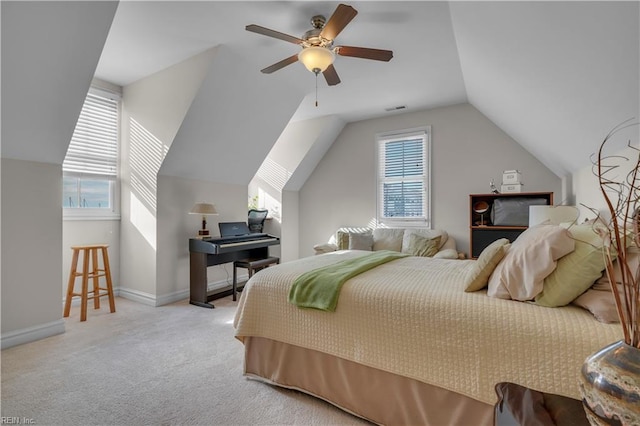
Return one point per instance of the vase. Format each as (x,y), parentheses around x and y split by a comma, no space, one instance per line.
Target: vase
(610,385)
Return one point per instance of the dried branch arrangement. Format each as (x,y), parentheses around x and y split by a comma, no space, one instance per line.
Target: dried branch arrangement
(622,234)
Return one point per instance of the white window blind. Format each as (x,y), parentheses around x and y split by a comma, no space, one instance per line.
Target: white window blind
(403,176)
(90,167)
(94,146)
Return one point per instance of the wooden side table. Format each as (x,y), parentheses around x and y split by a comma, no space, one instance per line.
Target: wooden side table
(519,405)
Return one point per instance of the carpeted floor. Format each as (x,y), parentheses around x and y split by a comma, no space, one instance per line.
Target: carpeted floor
(172,365)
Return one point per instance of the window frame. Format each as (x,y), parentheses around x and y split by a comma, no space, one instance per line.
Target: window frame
(86,213)
(381,140)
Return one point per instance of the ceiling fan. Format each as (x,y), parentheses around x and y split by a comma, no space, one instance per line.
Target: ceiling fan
(318,52)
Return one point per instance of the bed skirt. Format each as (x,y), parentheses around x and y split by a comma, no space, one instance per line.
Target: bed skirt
(375,395)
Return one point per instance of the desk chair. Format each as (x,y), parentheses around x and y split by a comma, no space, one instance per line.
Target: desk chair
(256,219)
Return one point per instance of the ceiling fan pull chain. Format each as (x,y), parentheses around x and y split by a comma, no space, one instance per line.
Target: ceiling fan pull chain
(316,89)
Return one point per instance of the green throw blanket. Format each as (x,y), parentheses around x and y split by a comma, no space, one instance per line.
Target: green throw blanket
(320,288)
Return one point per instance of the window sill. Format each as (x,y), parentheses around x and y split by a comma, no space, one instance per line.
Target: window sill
(405,222)
(91,216)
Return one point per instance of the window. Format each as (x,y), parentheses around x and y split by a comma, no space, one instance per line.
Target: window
(403,176)
(90,168)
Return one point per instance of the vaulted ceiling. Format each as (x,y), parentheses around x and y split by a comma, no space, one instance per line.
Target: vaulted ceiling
(556,76)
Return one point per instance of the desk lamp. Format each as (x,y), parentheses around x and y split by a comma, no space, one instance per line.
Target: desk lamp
(205,209)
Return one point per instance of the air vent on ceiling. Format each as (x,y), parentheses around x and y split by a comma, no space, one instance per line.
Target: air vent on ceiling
(396,108)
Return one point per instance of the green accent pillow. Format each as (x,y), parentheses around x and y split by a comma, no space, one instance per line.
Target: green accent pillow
(478,276)
(576,271)
(342,238)
(423,246)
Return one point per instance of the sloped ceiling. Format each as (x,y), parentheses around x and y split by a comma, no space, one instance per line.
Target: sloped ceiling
(425,71)
(230,128)
(555,76)
(50,51)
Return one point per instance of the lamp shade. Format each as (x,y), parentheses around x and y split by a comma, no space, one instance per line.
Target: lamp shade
(316,58)
(554,214)
(203,209)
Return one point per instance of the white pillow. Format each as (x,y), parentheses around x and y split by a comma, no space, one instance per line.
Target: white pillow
(387,239)
(325,248)
(531,258)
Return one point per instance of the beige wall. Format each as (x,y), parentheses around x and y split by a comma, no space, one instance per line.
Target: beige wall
(467,150)
(31,256)
(289,247)
(176,196)
(585,186)
(289,163)
(49,55)
(153,110)
(80,232)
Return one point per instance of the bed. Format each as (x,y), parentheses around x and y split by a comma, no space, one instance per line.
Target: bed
(407,345)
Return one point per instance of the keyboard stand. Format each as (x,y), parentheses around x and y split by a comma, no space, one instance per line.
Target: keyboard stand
(199,261)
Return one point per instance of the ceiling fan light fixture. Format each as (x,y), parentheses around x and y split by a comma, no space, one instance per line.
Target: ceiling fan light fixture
(316,59)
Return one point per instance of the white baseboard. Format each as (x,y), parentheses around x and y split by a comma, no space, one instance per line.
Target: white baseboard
(176,296)
(31,334)
(41,331)
(137,296)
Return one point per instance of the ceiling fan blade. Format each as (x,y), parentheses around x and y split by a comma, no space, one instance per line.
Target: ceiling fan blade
(278,65)
(272,33)
(365,53)
(331,76)
(340,18)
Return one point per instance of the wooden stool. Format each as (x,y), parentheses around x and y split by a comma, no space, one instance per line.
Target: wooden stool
(90,252)
(253,265)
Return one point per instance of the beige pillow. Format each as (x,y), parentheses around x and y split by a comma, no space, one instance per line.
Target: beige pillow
(342,236)
(478,277)
(531,258)
(387,239)
(633,260)
(423,232)
(423,246)
(600,303)
(361,241)
(446,253)
(576,271)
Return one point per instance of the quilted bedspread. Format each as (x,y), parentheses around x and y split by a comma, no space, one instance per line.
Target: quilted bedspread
(412,317)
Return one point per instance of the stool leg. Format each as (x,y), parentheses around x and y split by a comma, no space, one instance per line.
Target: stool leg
(70,285)
(107,274)
(95,272)
(235,282)
(85,286)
